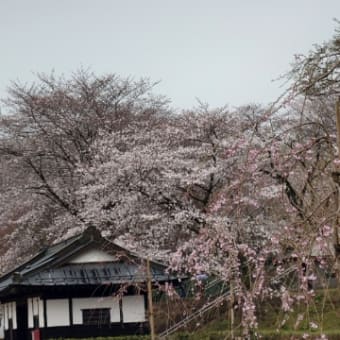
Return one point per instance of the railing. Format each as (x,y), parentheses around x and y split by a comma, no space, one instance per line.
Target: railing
(211,305)
(194,315)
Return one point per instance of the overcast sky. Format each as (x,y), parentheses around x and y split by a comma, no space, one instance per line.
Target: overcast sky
(220,51)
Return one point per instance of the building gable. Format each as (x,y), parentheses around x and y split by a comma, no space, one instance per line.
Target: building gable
(92,255)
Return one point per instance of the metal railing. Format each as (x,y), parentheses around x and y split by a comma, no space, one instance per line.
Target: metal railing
(212,304)
(193,316)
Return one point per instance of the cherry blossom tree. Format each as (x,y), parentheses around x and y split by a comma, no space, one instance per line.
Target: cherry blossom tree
(250,194)
(47,133)
(293,158)
(160,177)
(209,183)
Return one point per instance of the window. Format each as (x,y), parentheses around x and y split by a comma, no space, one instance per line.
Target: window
(97,316)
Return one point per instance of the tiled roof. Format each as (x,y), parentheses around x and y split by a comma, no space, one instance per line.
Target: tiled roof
(91,274)
(51,266)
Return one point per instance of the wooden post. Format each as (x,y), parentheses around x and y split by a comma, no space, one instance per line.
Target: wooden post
(232,316)
(338,124)
(337,171)
(337,167)
(150,304)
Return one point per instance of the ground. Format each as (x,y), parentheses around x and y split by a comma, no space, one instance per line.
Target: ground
(324,312)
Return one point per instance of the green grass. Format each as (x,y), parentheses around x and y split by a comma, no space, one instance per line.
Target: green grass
(324,311)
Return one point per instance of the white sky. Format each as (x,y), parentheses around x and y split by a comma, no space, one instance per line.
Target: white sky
(220,51)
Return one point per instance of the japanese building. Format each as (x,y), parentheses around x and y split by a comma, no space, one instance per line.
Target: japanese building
(82,287)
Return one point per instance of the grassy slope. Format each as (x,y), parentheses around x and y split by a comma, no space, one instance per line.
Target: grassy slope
(324,311)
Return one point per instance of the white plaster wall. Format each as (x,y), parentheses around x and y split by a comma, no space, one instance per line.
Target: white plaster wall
(10,313)
(41,313)
(2,321)
(57,312)
(14,314)
(35,307)
(5,316)
(92,303)
(30,312)
(92,255)
(133,308)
